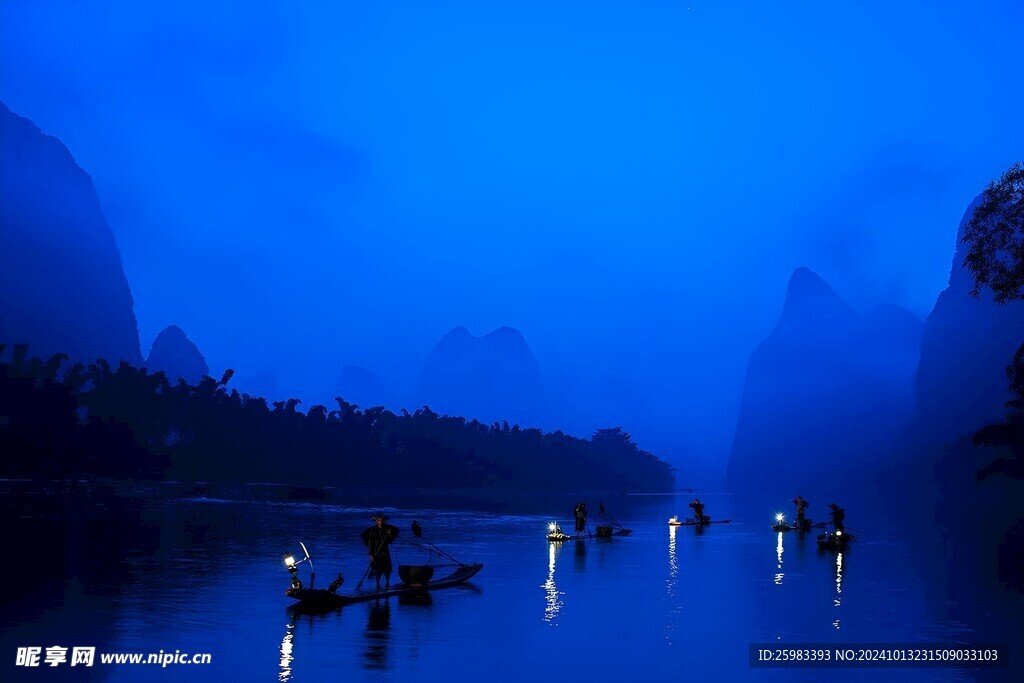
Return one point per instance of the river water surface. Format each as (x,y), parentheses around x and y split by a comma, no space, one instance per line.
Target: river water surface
(206,575)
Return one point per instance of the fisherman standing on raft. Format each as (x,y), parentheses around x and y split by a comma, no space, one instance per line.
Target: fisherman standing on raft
(580,513)
(698,511)
(377,539)
(838,515)
(801,505)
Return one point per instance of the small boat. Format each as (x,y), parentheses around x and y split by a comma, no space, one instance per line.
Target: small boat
(690,521)
(556,535)
(416,579)
(835,540)
(786,526)
(559,537)
(321,598)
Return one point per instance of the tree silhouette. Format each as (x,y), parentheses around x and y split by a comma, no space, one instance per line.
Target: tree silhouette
(995,238)
(63,420)
(995,258)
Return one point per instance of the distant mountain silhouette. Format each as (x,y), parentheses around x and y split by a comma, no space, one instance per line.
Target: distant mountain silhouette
(961,382)
(491,378)
(366,389)
(177,356)
(262,384)
(64,287)
(826,393)
(960,386)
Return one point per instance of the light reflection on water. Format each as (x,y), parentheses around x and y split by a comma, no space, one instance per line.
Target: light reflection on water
(838,602)
(210,578)
(779,575)
(286,653)
(673,562)
(553,597)
(672,624)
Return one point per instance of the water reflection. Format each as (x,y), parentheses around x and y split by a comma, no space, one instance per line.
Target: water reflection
(286,652)
(839,587)
(241,552)
(778,554)
(673,563)
(580,556)
(377,626)
(674,611)
(420,599)
(553,595)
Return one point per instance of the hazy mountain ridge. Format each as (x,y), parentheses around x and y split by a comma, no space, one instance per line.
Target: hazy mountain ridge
(493,377)
(60,268)
(961,382)
(960,386)
(176,356)
(825,394)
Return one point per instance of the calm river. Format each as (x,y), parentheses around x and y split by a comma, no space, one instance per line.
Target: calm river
(205,575)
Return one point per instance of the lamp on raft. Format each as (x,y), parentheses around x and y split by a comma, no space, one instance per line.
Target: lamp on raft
(293,567)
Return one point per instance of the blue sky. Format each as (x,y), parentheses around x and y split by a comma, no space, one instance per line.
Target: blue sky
(629,184)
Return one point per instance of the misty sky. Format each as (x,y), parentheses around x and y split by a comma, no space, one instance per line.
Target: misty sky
(630,184)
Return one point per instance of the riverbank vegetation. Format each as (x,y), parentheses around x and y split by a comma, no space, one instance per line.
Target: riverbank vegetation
(59,419)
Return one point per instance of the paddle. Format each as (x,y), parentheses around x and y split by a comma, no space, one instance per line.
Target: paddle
(374,552)
(359,585)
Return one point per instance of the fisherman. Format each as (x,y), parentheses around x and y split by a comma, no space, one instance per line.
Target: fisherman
(698,510)
(377,539)
(417,530)
(801,505)
(838,515)
(580,513)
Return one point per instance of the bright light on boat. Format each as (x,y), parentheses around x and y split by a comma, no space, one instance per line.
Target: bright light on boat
(673,520)
(778,517)
(289,560)
(552,526)
(838,532)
